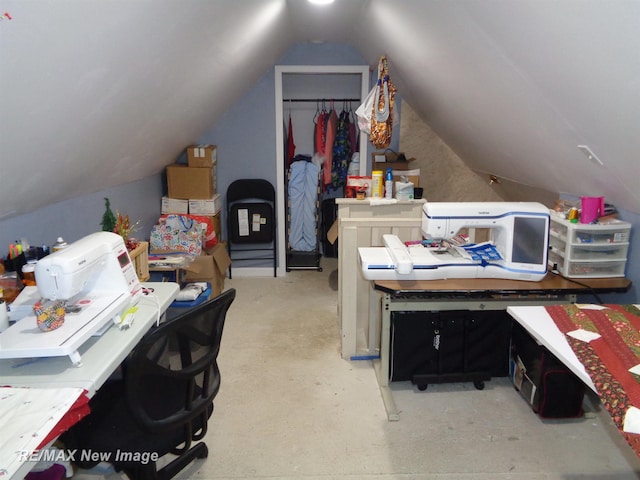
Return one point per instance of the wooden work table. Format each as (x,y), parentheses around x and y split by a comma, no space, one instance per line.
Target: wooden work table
(551,284)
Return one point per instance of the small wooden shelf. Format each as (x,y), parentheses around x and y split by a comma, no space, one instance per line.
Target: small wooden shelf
(140,258)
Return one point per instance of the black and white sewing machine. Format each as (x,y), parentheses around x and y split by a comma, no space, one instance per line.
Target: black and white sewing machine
(517,248)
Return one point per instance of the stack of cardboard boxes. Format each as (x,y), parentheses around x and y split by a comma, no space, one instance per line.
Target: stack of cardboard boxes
(192,190)
(192,187)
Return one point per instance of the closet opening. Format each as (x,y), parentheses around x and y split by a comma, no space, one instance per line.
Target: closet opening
(311,103)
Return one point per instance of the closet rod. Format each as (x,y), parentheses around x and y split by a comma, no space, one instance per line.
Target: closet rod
(321,100)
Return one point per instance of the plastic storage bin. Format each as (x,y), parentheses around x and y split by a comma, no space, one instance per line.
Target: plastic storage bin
(589,250)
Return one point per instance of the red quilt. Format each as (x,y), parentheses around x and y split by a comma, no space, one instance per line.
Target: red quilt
(607,359)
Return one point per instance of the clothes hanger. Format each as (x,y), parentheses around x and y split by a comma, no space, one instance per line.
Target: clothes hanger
(351,112)
(317,114)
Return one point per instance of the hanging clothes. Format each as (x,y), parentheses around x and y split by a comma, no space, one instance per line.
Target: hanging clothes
(353,132)
(341,151)
(291,146)
(320,132)
(332,125)
(303,194)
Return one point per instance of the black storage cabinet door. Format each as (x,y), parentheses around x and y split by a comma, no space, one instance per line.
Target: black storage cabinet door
(456,345)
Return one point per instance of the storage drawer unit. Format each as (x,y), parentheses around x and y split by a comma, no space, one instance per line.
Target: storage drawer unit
(584,250)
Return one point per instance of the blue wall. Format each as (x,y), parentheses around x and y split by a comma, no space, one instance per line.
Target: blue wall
(77,217)
(633,264)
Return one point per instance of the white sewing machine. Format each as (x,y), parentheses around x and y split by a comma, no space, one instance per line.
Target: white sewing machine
(97,281)
(517,249)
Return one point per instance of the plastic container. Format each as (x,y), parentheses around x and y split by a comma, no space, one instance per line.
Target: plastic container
(592,208)
(29,274)
(596,269)
(377,187)
(589,250)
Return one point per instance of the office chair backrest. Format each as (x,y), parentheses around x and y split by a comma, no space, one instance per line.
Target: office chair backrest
(192,376)
(248,188)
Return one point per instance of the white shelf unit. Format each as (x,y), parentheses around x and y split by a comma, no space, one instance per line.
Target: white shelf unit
(580,250)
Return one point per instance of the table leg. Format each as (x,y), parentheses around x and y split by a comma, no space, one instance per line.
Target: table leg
(382,366)
(385,392)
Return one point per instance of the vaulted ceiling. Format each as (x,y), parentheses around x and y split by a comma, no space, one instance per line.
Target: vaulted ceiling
(97,93)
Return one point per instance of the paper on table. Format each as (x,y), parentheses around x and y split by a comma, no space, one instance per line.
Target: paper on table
(584,335)
(27,415)
(632,421)
(590,306)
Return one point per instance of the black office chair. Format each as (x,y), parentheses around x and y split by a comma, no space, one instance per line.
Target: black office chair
(164,400)
(250,239)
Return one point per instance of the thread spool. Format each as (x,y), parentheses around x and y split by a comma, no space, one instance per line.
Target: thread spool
(573,214)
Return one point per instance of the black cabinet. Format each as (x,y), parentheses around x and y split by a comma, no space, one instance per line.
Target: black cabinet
(449,346)
(329,212)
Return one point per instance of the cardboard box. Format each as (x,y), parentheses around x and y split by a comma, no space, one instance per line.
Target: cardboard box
(384,160)
(186,182)
(174,205)
(211,268)
(210,206)
(202,155)
(332,234)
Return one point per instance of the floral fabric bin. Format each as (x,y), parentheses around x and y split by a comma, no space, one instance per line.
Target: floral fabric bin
(177,233)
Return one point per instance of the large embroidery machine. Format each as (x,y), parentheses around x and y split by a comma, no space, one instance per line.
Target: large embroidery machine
(97,283)
(517,248)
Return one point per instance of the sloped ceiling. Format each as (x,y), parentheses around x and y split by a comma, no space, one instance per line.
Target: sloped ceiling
(96,93)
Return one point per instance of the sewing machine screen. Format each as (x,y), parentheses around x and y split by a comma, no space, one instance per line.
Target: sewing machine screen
(124,260)
(529,240)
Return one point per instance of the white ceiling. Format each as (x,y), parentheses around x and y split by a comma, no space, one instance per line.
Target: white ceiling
(94,93)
